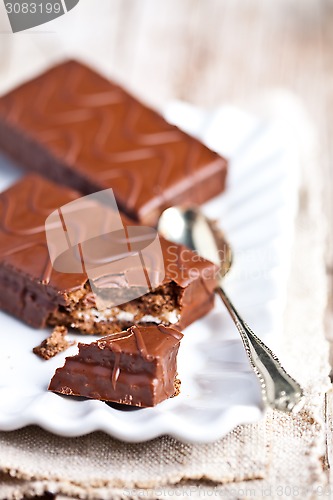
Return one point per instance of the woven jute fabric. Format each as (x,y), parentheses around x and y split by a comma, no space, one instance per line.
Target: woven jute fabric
(281,456)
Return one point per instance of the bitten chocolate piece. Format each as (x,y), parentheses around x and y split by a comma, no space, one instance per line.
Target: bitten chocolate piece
(33,291)
(77,128)
(135,367)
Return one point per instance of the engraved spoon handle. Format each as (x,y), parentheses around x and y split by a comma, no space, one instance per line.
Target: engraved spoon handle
(279,389)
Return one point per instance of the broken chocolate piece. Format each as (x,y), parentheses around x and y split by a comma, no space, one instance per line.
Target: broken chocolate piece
(135,367)
(32,290)
(77,128)
(53,344)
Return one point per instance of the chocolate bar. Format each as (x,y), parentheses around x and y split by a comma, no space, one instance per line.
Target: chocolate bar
(77,128)
(34,291)
(135,367)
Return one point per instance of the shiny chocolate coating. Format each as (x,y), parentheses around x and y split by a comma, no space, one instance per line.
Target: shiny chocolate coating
(32,290)
(135,367)
(77,128)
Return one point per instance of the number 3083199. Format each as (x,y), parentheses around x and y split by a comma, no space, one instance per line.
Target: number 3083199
(32,8)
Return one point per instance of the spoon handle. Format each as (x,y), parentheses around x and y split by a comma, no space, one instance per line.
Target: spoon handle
(279,390)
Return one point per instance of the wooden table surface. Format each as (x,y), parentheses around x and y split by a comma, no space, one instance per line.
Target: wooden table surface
(209,52)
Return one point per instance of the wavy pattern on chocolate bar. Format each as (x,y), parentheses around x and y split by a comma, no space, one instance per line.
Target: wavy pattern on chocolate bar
(33,236)
(102,128)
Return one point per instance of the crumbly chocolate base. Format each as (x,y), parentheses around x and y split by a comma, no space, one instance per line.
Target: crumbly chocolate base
(53,344)
(160,306)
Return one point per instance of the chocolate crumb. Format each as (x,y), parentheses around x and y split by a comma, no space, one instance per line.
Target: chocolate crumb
(177,386)
(53,344)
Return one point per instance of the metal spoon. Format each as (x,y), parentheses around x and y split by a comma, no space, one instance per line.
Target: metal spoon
(190,227)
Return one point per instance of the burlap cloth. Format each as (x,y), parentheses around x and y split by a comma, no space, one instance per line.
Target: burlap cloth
(282,456)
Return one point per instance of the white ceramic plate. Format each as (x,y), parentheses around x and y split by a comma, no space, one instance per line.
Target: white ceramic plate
(219,391)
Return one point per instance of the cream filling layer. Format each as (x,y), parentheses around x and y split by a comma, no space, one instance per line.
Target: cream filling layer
(115,314)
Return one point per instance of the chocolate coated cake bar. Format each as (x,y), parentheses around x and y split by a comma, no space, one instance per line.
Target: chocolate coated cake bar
(135,367)
(79,129)
(32,290)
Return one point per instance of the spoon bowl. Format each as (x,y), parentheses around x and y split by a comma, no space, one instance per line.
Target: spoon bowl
(190,227)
